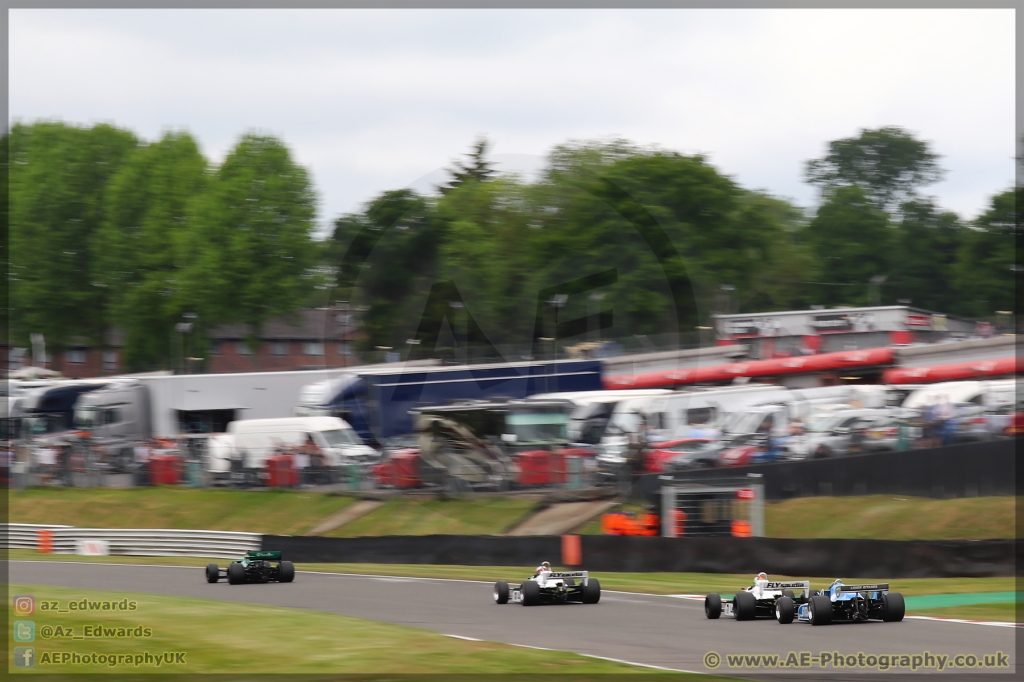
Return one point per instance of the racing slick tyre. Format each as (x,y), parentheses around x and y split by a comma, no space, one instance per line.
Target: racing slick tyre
(821,610)
(893,607)
(531,593)
(785,609)
(713,606)
(286,572)
(745,606)
(212,573)
(789,593)
(501,592)
(592,591)
(236,574)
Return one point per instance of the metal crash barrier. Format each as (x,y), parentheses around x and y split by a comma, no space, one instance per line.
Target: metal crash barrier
(130,542)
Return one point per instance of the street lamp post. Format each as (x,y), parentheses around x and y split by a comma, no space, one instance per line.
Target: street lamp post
(459,305)
(557,301)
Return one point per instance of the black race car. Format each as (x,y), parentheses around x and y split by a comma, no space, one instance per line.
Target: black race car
(254,567)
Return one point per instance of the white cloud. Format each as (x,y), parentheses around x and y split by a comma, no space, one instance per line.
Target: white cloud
(373,100)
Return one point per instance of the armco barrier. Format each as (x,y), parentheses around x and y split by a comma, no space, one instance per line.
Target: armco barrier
(798,557)
(136,541)
(967,470)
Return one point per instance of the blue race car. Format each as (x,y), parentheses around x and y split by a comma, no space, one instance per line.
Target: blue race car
(850,603)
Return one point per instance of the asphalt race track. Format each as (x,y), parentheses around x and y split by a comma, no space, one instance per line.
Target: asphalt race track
(653,630)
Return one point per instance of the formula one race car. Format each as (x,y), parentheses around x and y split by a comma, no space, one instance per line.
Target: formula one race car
(852,603)
(549,587)
(254,567)
(763,599)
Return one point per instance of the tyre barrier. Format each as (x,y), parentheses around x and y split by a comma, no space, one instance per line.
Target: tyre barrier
(829,558)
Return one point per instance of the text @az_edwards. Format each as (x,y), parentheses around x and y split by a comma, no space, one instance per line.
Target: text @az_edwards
(836,660)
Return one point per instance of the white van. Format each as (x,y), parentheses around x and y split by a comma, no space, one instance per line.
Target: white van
(594,409)
(671,416)
(987,393)
(256,439)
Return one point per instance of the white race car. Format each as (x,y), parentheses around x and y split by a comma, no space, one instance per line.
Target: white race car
(760,600)
(549,587)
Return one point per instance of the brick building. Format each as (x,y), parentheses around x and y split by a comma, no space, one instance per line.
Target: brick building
(308,339)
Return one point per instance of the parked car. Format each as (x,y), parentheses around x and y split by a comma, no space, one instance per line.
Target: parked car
(845,431)
(696,450)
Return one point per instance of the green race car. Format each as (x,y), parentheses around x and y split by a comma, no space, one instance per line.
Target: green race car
(254,567)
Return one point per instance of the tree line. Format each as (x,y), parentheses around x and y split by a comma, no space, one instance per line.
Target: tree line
(110,231)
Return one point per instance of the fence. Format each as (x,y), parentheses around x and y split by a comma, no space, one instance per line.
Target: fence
(133,542)
(967,470)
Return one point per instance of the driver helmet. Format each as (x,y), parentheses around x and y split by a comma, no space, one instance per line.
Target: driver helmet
(761,580)
(835,585)
(545,566)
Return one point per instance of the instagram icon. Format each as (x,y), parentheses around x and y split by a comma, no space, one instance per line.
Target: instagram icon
(24,605)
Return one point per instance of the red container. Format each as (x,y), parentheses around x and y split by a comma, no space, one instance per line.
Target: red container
(400,470)
(164,470)
(281,472)
(534,467)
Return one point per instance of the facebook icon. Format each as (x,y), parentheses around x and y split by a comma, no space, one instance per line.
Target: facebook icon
(24,656)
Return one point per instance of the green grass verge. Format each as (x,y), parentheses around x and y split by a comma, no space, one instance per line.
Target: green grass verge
(427,516)
(1003,613)
(226,637)
(281,512)
(888,517)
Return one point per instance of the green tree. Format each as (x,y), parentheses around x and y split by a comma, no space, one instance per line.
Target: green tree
(851,240)
(248,252)
(925,256)
(477,169)
(987,274)
(384,256)
(57,183)
(135,249)
(888,163)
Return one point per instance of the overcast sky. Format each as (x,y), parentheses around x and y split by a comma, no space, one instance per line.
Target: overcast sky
(372,100)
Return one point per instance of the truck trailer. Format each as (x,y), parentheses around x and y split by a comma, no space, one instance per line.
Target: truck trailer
(377,402)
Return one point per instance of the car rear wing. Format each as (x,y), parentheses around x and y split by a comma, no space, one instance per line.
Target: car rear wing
(803,585)
(568,574)
(873,587)
(270,556)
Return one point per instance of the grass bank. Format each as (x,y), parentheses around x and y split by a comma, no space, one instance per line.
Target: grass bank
(282,512)
(428,516)
(289,512)
(888,517)
(281,640)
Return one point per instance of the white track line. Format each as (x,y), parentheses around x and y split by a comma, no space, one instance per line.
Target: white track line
(613,660)
(990,623)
